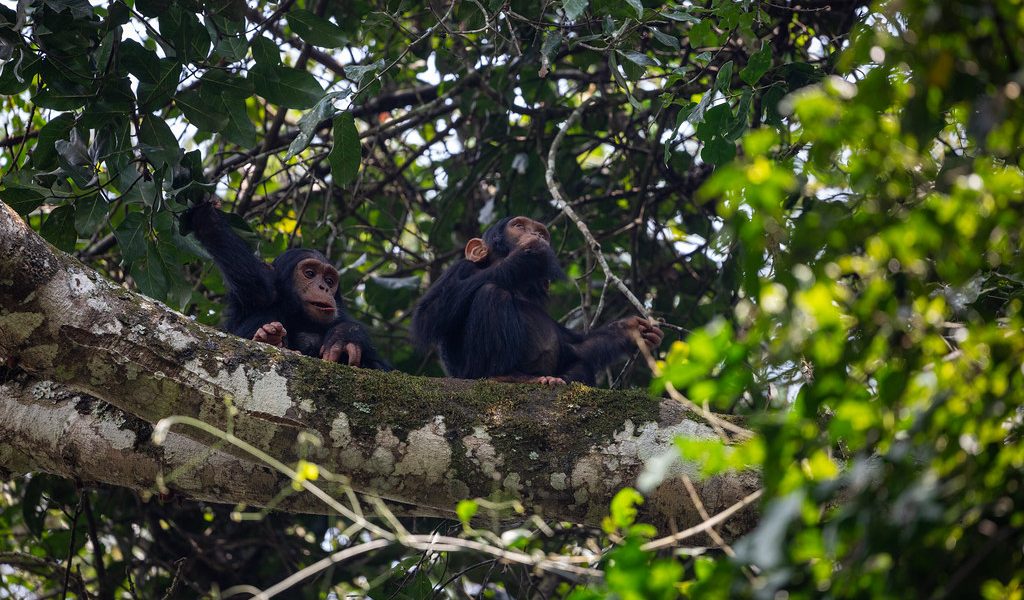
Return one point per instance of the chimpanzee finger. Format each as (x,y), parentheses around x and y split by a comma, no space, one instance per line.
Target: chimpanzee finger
(549,380)
(332,354)
(355,354)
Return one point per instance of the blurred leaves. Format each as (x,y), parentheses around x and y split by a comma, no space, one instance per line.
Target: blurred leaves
(824,206)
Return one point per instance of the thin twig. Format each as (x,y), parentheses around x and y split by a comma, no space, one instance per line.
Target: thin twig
(562,204)
(672,540)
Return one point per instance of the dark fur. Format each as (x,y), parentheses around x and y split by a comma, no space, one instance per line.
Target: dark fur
(491,320)
(259,293)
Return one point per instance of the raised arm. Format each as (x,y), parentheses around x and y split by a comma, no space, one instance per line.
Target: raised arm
(250,280)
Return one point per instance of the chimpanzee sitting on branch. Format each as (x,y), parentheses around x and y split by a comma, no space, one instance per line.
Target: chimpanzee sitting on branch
(487,315)
(293,303)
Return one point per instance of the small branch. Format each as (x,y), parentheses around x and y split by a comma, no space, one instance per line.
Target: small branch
(563,205)
(672,540)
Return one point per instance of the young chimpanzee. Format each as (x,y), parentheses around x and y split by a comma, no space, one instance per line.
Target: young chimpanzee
(487,314)
(293,303)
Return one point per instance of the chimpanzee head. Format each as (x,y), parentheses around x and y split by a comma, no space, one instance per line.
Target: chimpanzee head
(309,283)
(512,233)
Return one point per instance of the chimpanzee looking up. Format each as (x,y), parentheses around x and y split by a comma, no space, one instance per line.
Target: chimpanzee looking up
(293,303)
(487,315)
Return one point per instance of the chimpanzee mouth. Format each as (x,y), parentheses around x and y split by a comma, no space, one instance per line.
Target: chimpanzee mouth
(322,306)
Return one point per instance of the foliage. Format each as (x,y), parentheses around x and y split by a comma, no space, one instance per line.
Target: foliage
(822,202)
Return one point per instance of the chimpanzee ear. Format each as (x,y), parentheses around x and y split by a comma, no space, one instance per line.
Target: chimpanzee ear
(477,250)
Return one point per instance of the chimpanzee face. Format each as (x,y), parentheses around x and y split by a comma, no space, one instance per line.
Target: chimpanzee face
(523,231)
(316,284)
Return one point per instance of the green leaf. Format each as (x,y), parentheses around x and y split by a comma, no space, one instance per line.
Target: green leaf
(90,212)
(668,40)
(59,228)
(357,73)
(757,66)
(44,154)
(155,94)
(345,155)
(183,31)
(619,79)
(67,97)
(239,129)
(18,72)
(73,158)
(285,86)
(21,198)
(680,16)
(158,142)
(623,509)
(324,109)
(205,115)
(574,8)
(315,30)
(638,7)
(723,81)
(640,58)
(466,509)
(696,115)
(153,8)
(151,274)
(718,151)
(552,42)
(226,84)
(131,237)
(265,52)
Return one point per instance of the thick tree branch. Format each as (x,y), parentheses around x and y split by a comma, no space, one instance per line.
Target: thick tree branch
(421,441)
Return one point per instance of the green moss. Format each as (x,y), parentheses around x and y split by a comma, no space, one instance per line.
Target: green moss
(17,326)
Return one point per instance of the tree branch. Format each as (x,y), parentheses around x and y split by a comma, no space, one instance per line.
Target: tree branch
(424,442)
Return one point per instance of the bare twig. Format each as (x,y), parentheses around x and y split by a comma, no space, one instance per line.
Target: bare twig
(672,540)
(562,204)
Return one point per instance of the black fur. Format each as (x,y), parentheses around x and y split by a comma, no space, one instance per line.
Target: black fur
(491,320)
(259,293)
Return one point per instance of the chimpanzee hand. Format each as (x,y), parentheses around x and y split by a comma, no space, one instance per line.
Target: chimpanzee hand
(549,380)
(271,333)
(345,340)
(199,214)
(648,331)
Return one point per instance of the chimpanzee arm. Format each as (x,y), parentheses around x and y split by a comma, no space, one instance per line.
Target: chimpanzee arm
(605,345)
(250,280)
(444,308)
(494,336)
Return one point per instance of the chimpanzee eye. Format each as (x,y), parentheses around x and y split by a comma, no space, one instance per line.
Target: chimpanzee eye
(309,273)
(329,281)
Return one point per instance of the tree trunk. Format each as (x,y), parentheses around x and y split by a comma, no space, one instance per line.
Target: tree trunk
(92,367)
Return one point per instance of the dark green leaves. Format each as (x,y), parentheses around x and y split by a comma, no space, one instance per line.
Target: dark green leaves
(44,155)
(157,142)
(59,228)
(22,199)
(285,86)
(324,109)
(315,30)
(757,66)
(185,33)
(158,78)
(218,105)
(714,132)
(574,8)
(345,154)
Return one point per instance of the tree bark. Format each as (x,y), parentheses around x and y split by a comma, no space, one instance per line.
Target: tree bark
(91,367)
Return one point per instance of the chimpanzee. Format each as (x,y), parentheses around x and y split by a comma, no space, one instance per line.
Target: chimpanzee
(293,303)
(487,315)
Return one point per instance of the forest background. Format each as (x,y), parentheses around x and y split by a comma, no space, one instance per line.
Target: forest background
(820,200)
